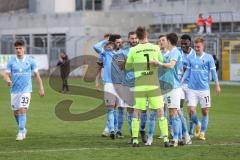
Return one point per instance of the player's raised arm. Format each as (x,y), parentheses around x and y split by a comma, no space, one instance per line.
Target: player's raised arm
(99,47)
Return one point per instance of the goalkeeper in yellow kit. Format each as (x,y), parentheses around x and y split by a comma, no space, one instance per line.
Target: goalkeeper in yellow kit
(141,61)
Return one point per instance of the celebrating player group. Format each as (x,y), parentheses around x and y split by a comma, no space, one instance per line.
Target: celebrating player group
(152,82)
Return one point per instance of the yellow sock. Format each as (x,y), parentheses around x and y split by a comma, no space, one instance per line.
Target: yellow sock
(163,125)
(135,127)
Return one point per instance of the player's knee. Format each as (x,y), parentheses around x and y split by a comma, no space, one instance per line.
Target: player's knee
(16,113)
(191,111)
(130,110)
(205,111)
(121,109)
(22,110)
(173,112)
(110,107)
(160,112)
(144,111)
(136,113)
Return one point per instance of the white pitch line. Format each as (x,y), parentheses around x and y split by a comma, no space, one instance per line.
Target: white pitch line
(54,150)
(81,149)
(220,144)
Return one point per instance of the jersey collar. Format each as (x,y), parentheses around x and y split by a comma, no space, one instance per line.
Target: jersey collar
(200,56)
(174,48)
(165,52)
(191,51)
(17,59)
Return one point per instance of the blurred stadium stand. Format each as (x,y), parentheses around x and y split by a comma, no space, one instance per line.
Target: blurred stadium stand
(13,5)
(51,26)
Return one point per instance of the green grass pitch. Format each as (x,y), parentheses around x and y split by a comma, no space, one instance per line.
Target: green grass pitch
(51,138)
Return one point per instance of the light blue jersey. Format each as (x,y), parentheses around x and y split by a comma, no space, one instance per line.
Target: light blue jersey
(165,74)
(177,70)
(111,71)
(110,58)
(185,57)
(21,73)
(99,48)
(129,75)
(198,71)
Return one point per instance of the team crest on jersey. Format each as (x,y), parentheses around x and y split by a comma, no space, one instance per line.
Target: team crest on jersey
(196,66)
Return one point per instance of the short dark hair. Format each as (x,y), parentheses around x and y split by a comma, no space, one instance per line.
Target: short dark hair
(141,32)
(19,43)
(161,36)
(173,38)
(113,37)
(186,37)
(131,33)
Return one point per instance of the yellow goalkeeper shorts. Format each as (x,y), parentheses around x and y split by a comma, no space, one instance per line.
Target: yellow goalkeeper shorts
(154,97)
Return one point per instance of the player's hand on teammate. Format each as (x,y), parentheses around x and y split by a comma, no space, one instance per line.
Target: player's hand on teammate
(41,92)
(155,63)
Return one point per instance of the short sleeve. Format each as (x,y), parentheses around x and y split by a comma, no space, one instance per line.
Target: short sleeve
(9,66)
(173,55)
(34,67)
(212,63)
(100,57)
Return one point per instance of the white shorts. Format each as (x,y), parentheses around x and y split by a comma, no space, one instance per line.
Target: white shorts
(173,98)
(21,100)
(185,92)
(202,97)
(119,95)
